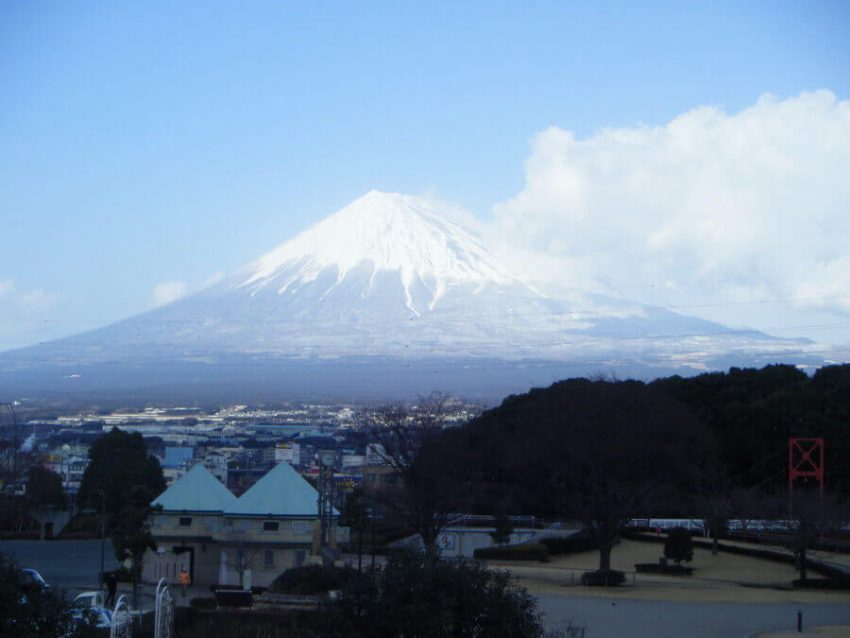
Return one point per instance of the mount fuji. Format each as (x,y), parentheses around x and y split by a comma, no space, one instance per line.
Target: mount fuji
(387,297)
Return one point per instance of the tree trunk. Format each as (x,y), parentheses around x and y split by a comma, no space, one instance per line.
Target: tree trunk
(801,551)
(604,556)
(429,536)
(714,543)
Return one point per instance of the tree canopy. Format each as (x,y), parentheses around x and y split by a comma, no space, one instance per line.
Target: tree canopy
(44,488)
(419,596)
(34,613)
(122,476)
(597,451)
(431,483)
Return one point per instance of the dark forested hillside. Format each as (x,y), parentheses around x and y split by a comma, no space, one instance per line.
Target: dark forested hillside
(545,451)
(752,414)
(535,453)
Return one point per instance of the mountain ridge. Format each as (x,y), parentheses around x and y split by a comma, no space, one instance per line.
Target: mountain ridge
(393,278)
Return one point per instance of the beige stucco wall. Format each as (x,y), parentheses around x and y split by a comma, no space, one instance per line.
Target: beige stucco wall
(219,540)
(167,524)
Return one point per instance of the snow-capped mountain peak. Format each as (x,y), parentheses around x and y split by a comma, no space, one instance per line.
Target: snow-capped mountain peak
(384,232)
(387,295)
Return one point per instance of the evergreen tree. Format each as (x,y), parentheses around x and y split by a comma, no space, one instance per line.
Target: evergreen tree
(129,478)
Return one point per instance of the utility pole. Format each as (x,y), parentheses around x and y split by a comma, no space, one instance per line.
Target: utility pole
(327,463)
(102,534)
(372,517)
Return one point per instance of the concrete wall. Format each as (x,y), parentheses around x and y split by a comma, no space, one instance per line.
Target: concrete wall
(203,558)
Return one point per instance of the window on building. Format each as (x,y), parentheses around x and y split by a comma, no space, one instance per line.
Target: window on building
(185,521)
(270,526)
(268,558)
(300,527)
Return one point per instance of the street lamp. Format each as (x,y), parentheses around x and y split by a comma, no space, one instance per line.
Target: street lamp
(102,532)
(372,516)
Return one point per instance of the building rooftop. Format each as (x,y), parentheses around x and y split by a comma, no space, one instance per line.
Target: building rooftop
(281,492)
(196,491)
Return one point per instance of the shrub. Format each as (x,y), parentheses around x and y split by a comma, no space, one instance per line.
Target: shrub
(311,580)
(822,583)
(679,545)
(657,568)
(418,595)
(45,612)
(527,551)
(609,578)
(202,603)
(580,542)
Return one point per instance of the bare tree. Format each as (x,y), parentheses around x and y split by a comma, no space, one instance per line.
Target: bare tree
(812,518)
(749,505)
(712,500)
(410,443)
(622,449)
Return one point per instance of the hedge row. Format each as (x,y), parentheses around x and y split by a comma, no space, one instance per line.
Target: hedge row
(580,542)
(822,583)
(311,579)
(527,551)
(656,568)
(610,578)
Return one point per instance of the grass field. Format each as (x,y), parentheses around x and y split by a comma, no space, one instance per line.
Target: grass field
(720,578)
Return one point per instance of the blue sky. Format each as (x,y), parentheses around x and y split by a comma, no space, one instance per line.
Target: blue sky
(142,143)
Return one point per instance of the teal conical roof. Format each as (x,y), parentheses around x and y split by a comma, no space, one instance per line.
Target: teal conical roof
(281,492)
(196,491)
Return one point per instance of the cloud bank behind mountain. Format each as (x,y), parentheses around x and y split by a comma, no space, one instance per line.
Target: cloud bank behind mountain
(741,218)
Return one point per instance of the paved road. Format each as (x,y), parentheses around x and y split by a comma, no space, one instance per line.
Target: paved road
(65,564)
(606,618)
(74,565)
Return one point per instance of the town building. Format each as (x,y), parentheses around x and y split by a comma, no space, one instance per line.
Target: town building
(247,541)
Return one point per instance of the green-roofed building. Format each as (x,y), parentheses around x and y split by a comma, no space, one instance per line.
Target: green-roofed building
(226,540)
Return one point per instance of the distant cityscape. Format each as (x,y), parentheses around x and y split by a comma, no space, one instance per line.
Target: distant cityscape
(238,444)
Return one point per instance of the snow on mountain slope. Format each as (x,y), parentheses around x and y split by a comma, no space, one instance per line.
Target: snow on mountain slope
(392,276)
(385,232)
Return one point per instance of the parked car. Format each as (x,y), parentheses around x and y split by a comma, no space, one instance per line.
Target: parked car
(98,617)
(29,579)
(89,599)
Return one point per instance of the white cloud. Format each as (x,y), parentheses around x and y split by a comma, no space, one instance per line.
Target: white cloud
(212,280)
(26,316)
(167,291)
(722,214)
